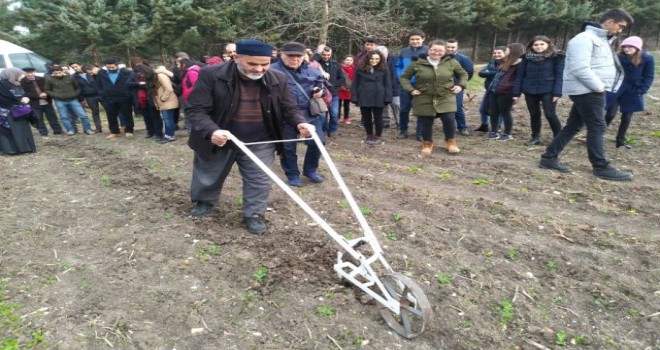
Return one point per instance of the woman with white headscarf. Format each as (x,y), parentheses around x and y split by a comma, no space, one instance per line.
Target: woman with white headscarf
(15,132)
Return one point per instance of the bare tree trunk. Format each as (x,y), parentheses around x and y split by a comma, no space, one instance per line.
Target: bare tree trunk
(475,48)
(494,41)
(565,41)
(508,39)
(325,23)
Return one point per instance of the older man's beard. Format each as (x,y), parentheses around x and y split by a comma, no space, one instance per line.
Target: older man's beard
(251,76)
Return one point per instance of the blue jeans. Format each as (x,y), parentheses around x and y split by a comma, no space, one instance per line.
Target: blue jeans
(588,109)
(331,124)
(404,111)
(168,120)
(484,109)
(290,159)
(77,108)
(461,122)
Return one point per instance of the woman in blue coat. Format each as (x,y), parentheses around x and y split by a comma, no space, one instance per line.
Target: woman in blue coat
(638,68)
(540,78)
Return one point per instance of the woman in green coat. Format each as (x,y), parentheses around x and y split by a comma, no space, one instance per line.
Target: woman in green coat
(430,80)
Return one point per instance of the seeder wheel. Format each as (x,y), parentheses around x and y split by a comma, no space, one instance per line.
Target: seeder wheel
(415,313)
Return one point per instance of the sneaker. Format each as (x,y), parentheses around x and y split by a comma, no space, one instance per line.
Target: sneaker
(482,128)
(89,132)
(98,131)
(493,135)
(347,121)
(402,135)
(70,133)
(553,164)
(166,139)
(111,136)
(535,140)
(148,136)
(464,132)
(128,134)
(295,182)
(201,209)
(505,137)
(374,141)
(314,177)
(611,173)
(622,143)
(255,224)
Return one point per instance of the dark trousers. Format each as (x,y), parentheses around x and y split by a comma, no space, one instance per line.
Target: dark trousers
(152,120)
(49,111)
(626,118)
(587,109)
(448,126)
(346,106)
(501,105)
(113,109)
(289,160)
(209,176)
(404,111)
(372,116)
(534,103)
(93,104)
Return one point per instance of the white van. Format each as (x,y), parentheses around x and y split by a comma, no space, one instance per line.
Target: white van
(12,55)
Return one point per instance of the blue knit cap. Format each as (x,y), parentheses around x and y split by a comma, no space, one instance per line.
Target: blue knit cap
(253,47)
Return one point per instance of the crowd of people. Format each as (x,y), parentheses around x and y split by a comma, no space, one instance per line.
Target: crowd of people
(260,94)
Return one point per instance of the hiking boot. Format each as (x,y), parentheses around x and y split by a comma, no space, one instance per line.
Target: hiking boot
(535,140)
(482,128)
(295,182)
(451,146)
(493,135)
(255,224)
(201,209)
(315,177)
(464,132)
(611,173)
(553,164)
(128,134)
(111,136)
(402,135)
(427,148)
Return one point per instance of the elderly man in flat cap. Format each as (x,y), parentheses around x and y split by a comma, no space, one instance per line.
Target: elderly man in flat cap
(245,99)
(305,83)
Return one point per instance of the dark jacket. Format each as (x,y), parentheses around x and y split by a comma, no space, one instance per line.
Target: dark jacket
(31,91)
(466,63)
(87,85)
(337,76)
(539,78)
(637,81)
(394,78)
(119,91)
(62,88)
(371,89)
(215,98)
(504,81)
(489,72)
(308,78)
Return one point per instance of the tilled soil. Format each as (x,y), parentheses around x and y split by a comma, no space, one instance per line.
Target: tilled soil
(98,251)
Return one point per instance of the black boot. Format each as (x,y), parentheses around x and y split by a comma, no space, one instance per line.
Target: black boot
(535,140)
(482,128)
(620,142)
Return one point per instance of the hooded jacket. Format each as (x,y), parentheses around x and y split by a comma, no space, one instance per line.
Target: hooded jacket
(590,64)
(165,97)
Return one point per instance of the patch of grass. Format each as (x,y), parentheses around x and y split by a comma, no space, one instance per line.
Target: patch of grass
(414,169)
(168,215)
(397,217)
(561,339)
(579,340)
(348,235)
(238,201)
(260,274)
(480,182)
(387,165)
(105,180)
(633,312)
(343,204)
(324,310)
(551,264)
(15,335)
(366,210)
(390,235)
(631,140)
(506,311)
(205,253)
(444,279)
(512,254)
(655,133)
(444,175)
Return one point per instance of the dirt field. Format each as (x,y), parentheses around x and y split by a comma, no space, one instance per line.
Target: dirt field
(98,252)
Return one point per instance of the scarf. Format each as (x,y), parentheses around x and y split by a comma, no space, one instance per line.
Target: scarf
(538,57)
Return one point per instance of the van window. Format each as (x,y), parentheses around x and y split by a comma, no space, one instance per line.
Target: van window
(2,62)
(29,59)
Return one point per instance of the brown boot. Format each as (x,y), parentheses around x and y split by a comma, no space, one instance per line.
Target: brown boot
(451,146)
(427,147)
